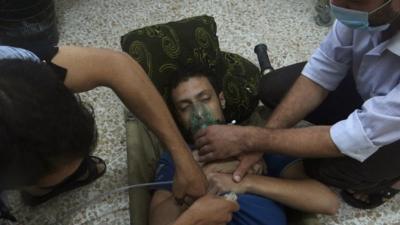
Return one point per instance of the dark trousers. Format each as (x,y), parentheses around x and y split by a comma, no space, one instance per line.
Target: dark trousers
(379,171)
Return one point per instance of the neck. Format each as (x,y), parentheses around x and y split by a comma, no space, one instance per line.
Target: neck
(393,29)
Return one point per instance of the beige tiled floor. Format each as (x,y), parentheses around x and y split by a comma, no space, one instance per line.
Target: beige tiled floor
(285,25)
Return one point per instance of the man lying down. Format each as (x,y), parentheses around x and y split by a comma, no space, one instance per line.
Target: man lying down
(196,99)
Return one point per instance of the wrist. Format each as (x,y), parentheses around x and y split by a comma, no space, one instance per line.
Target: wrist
(272,125)
(252,137)
(248,139)
(247,183)
(187,218)
(183,160)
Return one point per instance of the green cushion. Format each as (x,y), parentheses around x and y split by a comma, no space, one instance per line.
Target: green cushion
(164,48)
(240,86)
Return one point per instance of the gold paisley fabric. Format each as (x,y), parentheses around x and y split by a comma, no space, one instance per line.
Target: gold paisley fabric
(162,49)
(240,85)
(139,51)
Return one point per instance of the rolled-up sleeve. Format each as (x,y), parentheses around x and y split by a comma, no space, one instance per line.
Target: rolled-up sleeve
(330,63)
(7,52)
(376,124)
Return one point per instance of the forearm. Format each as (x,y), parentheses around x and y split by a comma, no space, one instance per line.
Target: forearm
(90,67)
(185,219)
(302,98)
(165,213)
(305,194)
(312,141)
(138,93)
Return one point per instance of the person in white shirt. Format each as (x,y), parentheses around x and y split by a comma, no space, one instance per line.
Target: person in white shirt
(350,90)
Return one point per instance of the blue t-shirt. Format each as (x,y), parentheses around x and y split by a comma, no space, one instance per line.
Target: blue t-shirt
(254,209)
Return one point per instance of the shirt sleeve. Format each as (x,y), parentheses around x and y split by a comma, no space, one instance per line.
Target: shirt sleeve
(165,171)
(332,60)
(36,55)
(7,52)
(376,124)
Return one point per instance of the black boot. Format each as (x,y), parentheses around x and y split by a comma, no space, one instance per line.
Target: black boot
(28,24)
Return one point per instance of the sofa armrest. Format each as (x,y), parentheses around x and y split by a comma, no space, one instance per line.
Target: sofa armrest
(144,151)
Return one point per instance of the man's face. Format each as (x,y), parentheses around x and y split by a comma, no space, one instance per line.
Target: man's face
(194,91)
(380,17)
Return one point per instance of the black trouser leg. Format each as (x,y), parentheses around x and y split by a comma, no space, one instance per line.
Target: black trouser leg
(337,106)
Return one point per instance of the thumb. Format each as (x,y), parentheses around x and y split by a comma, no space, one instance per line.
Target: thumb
(241,170)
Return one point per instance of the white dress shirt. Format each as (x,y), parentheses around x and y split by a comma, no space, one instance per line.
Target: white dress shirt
(376,69)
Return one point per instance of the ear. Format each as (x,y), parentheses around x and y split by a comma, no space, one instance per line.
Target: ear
(222,100)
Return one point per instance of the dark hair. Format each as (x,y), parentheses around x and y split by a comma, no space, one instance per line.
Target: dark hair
(189,71)
(182,75)
(42,124)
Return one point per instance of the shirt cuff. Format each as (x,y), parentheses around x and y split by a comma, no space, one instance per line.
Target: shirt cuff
(350,138)
(325,71)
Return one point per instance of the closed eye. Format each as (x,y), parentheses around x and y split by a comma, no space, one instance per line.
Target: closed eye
(206,99)
(183,107)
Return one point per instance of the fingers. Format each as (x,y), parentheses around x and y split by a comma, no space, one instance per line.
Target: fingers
(200,133)
(205,149)
(241,170)
(207,158)
(200,142)
(235,206)
(195,155)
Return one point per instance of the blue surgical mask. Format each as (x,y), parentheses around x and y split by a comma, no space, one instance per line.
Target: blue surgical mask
(354,18)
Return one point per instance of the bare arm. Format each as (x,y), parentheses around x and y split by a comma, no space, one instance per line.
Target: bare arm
(300,142)
(208,210)
(222,141)
(294,190)
(89,68)
(229,166)
(217,142)
(302,98)
(306,194)
(163,209)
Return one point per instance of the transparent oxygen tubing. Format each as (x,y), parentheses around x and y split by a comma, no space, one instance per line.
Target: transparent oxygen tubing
(228,196)
(102,195)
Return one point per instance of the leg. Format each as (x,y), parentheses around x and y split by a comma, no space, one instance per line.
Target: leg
(378,171)
(274,86)
(371,182)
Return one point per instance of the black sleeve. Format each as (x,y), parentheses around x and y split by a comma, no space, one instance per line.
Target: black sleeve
(46,54)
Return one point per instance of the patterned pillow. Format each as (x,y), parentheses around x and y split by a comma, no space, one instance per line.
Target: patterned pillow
(164,48)
(240,86)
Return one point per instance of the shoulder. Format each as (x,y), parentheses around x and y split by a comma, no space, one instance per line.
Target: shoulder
(340,35)
(394,44)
